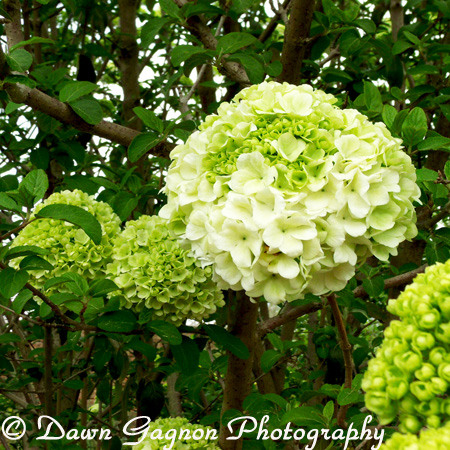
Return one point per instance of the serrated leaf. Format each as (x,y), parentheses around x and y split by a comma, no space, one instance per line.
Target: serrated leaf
(20,301)
(166,331)
(102,287)
(19,60)
(33,40)
(328,410)
(254,69)
(414,127)
(232,42)
(372,97)
(425,174)
(232,343)
(348,396)
(120,321)
(12,281)
(6,202)
(183,52)
(268,359)
(35,184)
(186,355)
(388,114)
(170,8)
(34,262)
(149,118)
(141,144)
(11,107)
(75,215)
(151,29)
(374,286)
(24,250)
(400,46)
(434,143)
(76,89)
(88,109)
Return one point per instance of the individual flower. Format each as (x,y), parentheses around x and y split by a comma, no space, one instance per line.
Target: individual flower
(178,434)
(281,172)
(154,273)
(430,439)
(70,248)
(410,376)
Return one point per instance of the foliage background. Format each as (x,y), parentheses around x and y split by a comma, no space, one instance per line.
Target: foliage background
(139,76)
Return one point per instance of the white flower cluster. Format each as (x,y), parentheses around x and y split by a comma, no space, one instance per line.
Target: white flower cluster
(284,193)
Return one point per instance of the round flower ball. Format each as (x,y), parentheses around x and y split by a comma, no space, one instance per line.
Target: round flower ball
(155,273)
(285,193)
(431,439)
(410,376)
(70,248)
(180,433)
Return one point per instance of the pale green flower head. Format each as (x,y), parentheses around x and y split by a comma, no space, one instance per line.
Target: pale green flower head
(283,172)
(430,439)
(70,248)
(410,376)
(178,434)
(154,273)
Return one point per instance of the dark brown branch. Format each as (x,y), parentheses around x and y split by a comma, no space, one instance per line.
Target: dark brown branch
(15,230)
(399,280)
(346,352)
(238,380)
(432,221)
(295,40)
(285,317)
(273,22)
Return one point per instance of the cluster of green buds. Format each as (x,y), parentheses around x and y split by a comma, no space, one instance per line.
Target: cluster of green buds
(284,193)
(154,273)
(410,376)
(431,439)
(178,434)
(69,248)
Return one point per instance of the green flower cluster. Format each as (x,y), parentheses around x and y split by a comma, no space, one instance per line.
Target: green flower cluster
(410,375)
(431,439)
(155,273)
(178,434)
(70,248)
(284,193)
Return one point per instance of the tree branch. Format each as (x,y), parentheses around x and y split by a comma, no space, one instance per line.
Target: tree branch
(346,352)
(295,40)
(274,22)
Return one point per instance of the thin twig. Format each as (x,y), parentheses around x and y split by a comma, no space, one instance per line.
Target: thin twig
(346,352)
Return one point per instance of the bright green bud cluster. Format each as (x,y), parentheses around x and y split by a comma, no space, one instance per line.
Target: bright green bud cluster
(70,248)
(431,439)
(173,433)
(284,193)
(155,273)
(410,376)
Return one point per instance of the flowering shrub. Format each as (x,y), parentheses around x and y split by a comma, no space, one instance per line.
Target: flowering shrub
(154,272)
(410,375)
(285,193)
(70,248)
(170,435)
(437,439)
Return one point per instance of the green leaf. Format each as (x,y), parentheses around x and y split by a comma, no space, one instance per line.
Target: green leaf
(224,338)
(254,69)
(414,127)
(447,170)
(25,250)
(367,25)
(20,301)
(88,109)
(328,410)
(305,416)
(11,107)
(149,118)
(411,37)
(166,331)
(372,97)
(169,7)
(76,385)
(434,143)
(268,359)
(232,42)
(182,52)
(121,321)
(348,396)
(76,89)
(9,337)
(400,46)
(146,349)
(12,281)
(102,287)
(19,60)
(33,40)
(141,144)
(35,184)
(186,355)
(374,286)
(34,262)
(425,174)
(8,203)
(75,215)
(388,114)
(151,29)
